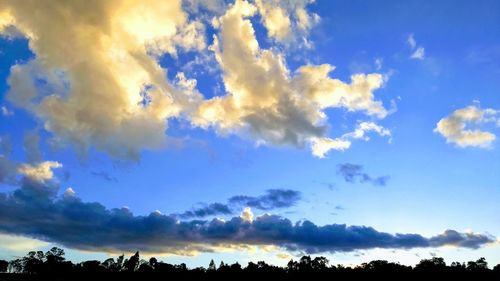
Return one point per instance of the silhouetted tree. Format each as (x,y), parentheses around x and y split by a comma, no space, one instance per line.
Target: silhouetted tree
(4,265)
(55,255)
(16,266)
(211,266)
(479,265)
(153,262)
(52,266)
(92,266)
(33,261)
(132,263)
(431,265)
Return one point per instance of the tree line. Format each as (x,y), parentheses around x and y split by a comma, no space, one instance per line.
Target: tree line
(52,265)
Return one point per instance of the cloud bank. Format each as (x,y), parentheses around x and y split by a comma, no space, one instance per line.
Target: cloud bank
(34,210)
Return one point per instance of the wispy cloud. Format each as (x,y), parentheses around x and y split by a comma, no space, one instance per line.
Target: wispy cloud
(418,53)
(354,173)
(104,175)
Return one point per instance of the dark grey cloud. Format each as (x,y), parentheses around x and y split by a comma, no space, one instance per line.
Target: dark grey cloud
(104,175)
(209,210)
(272,199)
(34,210)
(7,167)
(31,145)
(354,173)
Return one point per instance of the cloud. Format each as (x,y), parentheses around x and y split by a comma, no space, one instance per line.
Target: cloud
(210,210)
(96,59)
(109,91)
(353,173)
(7,167)
(264,100)
(411,41)
(31,146)
(418,52)
(286,21)
(37,213)
(6,112)
(41,172)
(104,175)
(272,199)
(321,146)
(454,126)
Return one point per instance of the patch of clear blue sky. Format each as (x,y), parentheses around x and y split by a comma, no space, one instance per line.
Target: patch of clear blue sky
(433,185)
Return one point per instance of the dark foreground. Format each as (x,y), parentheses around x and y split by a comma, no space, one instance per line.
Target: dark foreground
(52,265)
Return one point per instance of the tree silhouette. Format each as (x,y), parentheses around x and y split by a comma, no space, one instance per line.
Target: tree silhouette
(211,266)
(52,265)
(4,265)
(132,263)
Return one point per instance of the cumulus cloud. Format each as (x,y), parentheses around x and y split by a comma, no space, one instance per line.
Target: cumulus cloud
(461,126)
(103,86)
(97,60)
(41,172)
(269,103)
(286,20)
(37,213)
(353,173)
(272,199)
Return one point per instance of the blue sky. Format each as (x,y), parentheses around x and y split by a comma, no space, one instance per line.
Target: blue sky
(435,69)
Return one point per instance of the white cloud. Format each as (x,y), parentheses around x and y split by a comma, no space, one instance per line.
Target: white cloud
(41,172)
(419,54)
(321,146)
(96,61)
(105,88)
(247,214)
(454,126)
(267,102)
(69,193)
(411,41)
(378,63)
(286,20)
(5,111)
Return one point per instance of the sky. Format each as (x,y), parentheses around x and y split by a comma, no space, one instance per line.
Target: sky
(251,130)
